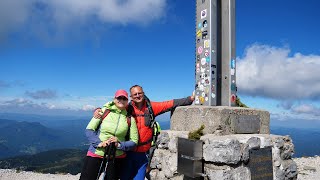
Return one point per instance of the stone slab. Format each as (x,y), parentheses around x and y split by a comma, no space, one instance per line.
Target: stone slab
(221,120)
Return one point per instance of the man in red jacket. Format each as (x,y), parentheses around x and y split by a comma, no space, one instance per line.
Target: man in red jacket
(137,160)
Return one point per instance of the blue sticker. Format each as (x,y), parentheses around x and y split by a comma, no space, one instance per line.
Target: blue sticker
(199,25)
(233,64)
(233,87)
(208,59)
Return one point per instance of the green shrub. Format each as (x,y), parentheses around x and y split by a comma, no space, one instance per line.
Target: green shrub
(195,135)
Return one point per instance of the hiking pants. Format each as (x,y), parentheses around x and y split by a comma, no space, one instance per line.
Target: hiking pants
(91,168)
(135,166)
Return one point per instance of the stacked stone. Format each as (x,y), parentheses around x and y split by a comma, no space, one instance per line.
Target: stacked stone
(225,156)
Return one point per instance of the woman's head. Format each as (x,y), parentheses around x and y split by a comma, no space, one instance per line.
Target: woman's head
(121,99)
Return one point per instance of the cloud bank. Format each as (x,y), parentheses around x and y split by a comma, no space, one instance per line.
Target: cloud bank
(52,17)
(271,72)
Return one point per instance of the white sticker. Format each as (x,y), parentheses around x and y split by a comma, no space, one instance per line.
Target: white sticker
(197,100)
(206,98)
(203,13)
(206,54)
(201,87)
(203,61)
(203,94)
(202,70)
(213,95)
(232,71)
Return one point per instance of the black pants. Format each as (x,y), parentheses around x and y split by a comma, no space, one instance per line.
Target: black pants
(92,165)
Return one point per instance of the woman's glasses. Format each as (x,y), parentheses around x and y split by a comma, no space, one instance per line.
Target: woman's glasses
(122,98)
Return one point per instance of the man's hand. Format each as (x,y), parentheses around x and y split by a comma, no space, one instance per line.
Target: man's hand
(192,96)
(97,113)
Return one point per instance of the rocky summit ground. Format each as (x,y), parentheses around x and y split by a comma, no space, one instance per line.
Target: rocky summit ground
(308,167)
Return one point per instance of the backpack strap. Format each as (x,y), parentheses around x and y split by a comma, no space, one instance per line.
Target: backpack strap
(127,138)
(153,123)
(149,109)
(105,114)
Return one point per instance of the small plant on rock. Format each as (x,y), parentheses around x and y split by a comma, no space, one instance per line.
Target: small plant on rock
(195,135)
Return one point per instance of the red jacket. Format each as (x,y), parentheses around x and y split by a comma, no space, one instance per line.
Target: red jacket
(143,118)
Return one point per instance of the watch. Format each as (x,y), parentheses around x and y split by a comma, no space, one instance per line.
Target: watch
(119,145)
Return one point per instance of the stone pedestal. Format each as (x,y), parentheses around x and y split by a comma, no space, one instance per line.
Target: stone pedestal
(237,145)
(229,157)
(221,120)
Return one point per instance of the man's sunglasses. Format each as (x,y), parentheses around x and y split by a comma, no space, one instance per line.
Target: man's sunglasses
(122,98)
(136,94)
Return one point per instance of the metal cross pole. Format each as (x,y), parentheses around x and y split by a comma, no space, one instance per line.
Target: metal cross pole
(215,53)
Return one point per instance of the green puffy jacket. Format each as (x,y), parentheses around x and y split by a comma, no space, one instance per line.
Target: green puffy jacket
(114,124)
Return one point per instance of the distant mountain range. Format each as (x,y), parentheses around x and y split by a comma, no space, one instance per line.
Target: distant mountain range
(31,134)
(27,138)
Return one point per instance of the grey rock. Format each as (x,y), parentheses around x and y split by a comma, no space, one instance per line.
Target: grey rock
(254,143)
(245,152)
(220,149)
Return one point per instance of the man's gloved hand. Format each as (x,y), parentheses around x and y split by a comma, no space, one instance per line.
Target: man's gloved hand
(97,113)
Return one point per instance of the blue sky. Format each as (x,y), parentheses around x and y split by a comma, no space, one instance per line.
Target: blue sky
(67,57)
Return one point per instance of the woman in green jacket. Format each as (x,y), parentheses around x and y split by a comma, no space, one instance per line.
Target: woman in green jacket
(115,128)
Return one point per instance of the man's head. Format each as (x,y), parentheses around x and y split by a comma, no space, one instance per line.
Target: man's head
(137,94)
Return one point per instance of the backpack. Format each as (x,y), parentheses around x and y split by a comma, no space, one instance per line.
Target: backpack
(153,125)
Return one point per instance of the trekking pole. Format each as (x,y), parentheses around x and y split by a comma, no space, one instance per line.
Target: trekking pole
(107,148)
(111,152)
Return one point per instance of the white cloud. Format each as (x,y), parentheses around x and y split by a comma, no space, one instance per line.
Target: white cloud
(67,106)
(118,11)
(26,106)
(52,17)
(88,107)
(306,109)
(271,72)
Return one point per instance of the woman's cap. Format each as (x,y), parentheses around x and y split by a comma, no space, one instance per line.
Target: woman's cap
(121,92)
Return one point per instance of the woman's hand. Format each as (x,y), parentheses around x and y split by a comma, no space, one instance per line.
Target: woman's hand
(113,139)
(109,141)
(103,144)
